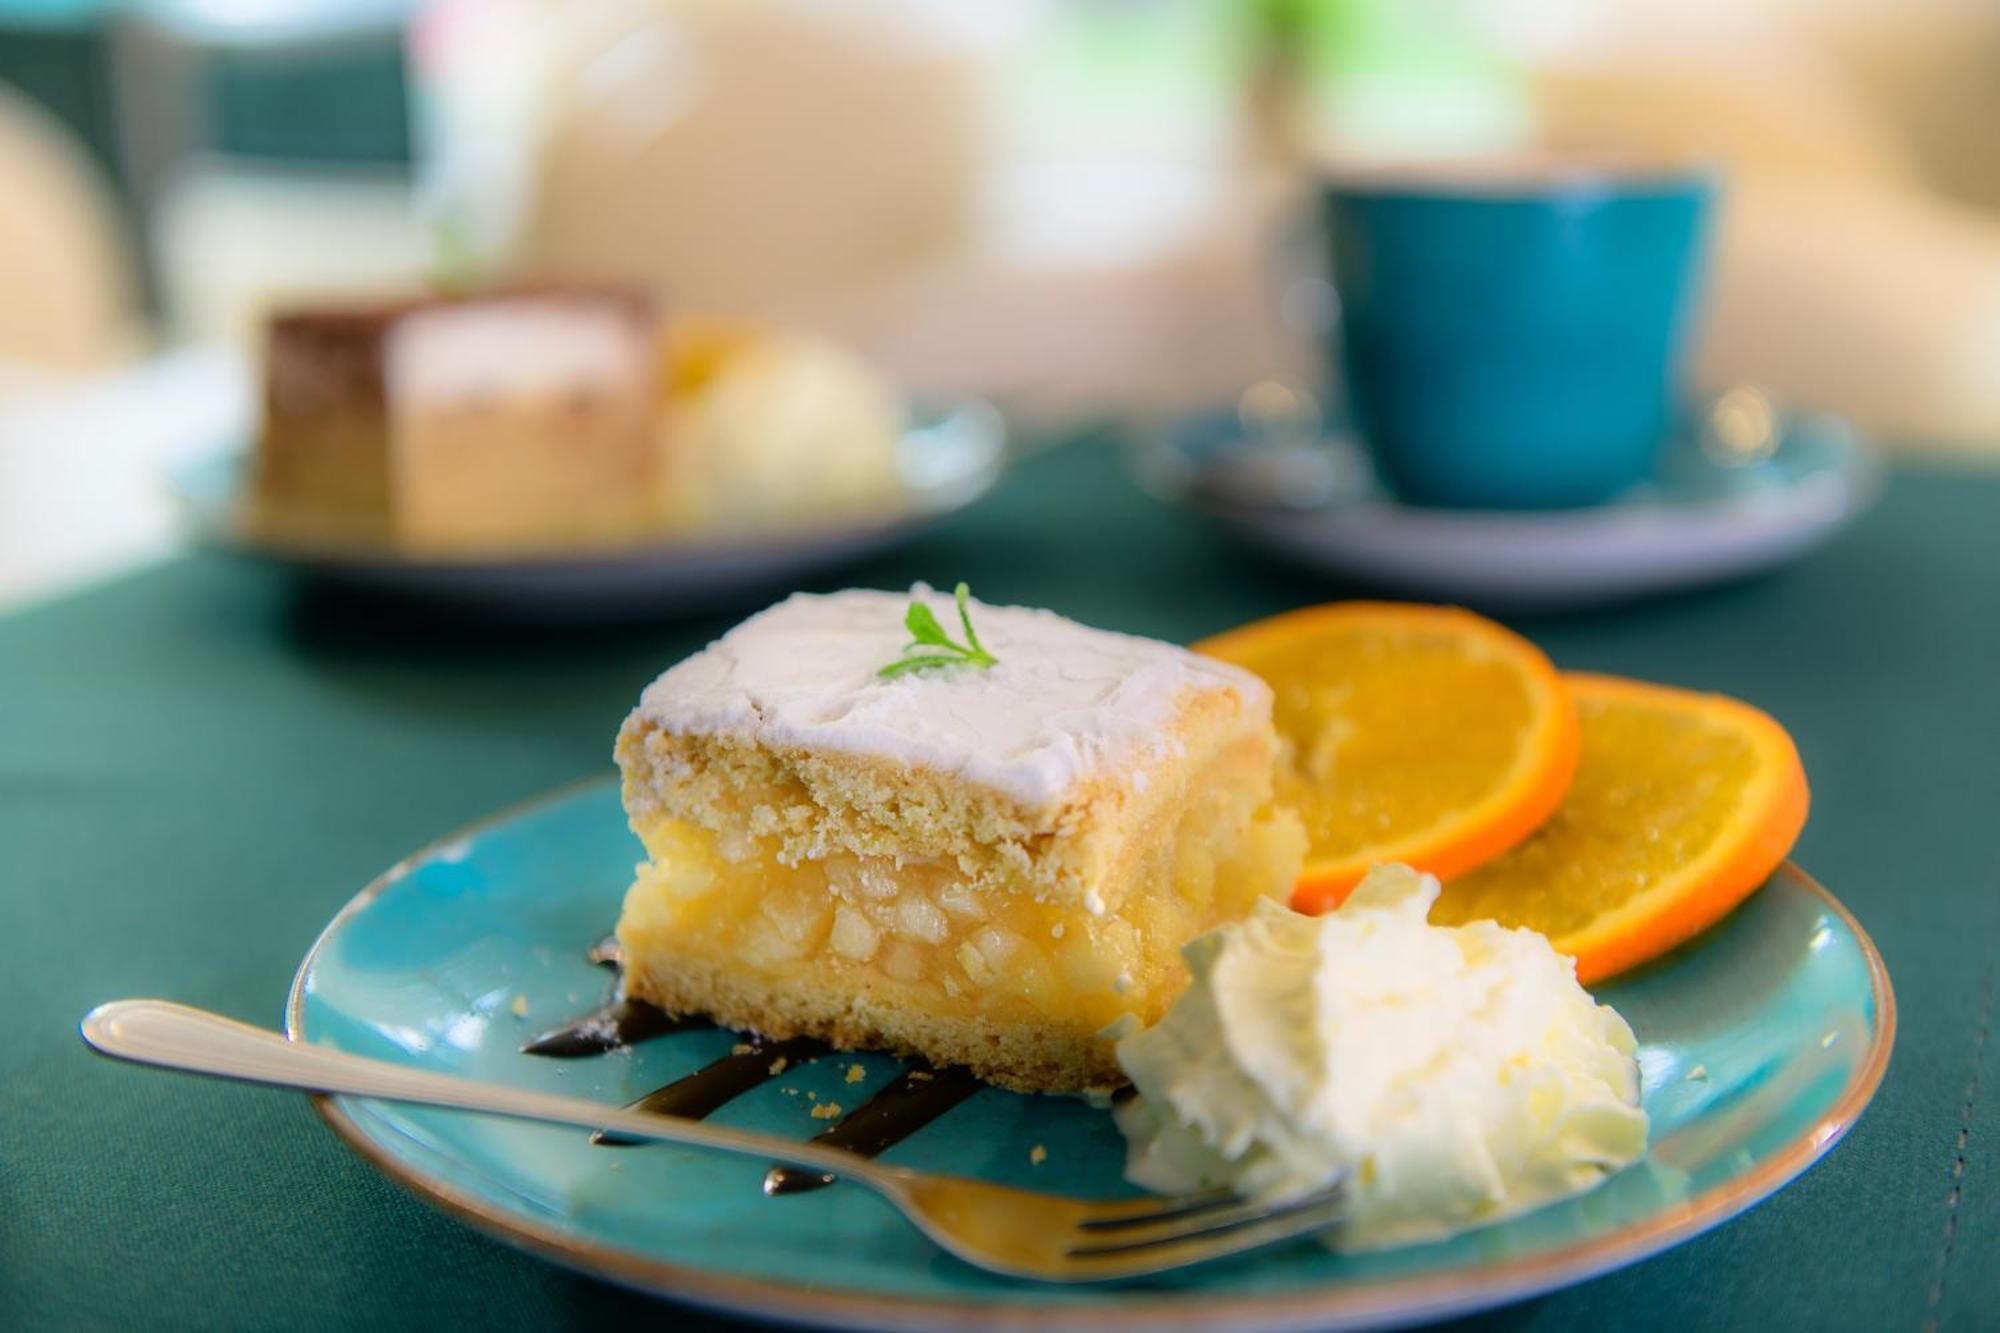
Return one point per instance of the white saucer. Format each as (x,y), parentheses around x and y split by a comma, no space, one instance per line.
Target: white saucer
(1707,517)
(948,460)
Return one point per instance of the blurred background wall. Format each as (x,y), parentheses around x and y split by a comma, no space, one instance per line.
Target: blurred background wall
(1078,206)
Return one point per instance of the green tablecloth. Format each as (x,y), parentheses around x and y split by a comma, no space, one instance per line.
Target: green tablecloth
(198,765)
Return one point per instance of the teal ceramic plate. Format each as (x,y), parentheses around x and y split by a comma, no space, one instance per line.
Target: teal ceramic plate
(1760,1044)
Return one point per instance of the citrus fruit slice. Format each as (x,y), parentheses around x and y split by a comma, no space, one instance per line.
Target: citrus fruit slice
(1682,805)
(1421,734)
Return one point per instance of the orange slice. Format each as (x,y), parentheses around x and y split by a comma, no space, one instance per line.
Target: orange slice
(1683,804)
(1421,734)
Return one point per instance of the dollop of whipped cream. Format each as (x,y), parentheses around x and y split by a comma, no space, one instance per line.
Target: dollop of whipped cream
(1453,1075)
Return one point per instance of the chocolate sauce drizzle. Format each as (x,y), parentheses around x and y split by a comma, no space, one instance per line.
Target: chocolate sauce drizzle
(919,1095)
(620,1023)
(715,1085)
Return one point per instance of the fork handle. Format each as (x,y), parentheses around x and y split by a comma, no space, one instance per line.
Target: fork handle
(176,1036)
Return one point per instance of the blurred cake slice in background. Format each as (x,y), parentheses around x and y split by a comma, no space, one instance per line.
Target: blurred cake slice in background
(500,421)
(772,430)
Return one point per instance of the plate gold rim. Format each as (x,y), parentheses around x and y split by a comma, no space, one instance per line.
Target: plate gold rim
(1397,1301)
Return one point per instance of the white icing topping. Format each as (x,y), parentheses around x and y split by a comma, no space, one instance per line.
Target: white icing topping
(1064,704)
(511,349)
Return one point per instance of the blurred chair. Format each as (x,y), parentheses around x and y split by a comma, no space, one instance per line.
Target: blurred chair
(1883,304)
(67,294)
(754,158)
(1843,275)
(1931,72)
(854,169)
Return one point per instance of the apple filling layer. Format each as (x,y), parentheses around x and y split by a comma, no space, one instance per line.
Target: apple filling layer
(870,950)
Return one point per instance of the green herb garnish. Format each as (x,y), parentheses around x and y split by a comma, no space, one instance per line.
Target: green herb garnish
(930,646)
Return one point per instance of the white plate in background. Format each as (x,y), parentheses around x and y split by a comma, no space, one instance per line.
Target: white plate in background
(949,458)
(1706,517)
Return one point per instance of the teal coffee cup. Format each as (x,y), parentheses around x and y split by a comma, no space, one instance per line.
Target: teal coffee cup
(1510,333)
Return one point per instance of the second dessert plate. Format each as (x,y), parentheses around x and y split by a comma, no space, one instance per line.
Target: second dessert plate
(1760,1043)
(948,459)
(1713,511)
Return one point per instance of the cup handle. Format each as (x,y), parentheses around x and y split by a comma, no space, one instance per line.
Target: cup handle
(1307,303)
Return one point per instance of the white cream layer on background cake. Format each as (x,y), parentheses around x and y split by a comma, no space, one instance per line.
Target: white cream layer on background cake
(982,866)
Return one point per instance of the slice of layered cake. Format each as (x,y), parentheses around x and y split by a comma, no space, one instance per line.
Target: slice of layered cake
(498,421)
(984,858)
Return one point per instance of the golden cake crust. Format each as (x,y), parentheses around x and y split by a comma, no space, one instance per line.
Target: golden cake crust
(1020,1056)
(814,803)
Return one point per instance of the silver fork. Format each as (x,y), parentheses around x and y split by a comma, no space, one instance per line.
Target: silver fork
(1017,1232)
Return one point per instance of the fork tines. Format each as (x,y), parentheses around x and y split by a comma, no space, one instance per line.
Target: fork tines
(1219,1219)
